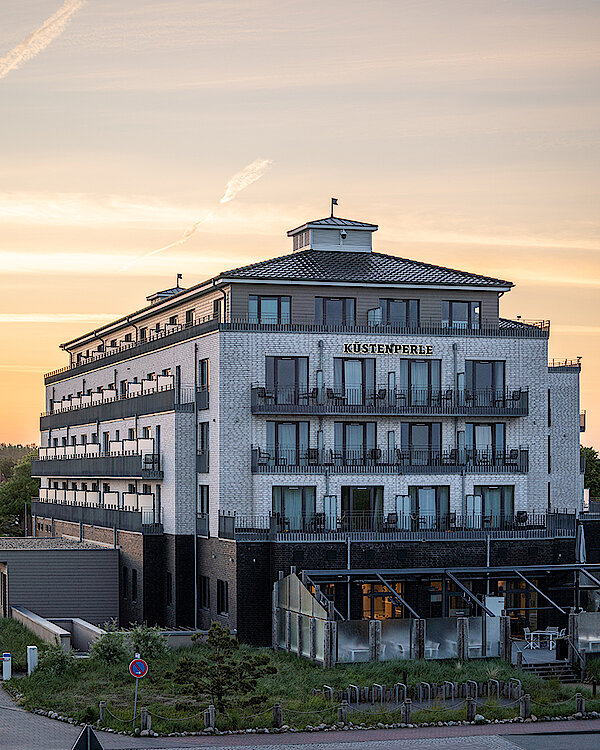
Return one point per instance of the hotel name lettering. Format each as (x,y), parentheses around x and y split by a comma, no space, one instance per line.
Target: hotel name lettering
(419,349)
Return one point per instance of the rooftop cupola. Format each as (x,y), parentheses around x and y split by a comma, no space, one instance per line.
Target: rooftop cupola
(335,234)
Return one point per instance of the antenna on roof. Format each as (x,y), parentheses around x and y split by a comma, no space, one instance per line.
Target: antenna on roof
(333,203)
(179,276)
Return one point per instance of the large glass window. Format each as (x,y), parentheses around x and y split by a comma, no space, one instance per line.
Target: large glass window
(287,379)
(335,311)
(430,506)
(354,380)
(485,442)
(378,603)
(496,504)
(484,382)
(421,443)
(294,507)
(362,508)
(402,313)
(419,381)
(458,314)
(355,442)
(287,442)
(269,310)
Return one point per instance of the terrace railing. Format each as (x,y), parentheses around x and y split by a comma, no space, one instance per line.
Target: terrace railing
(383,400)
(278,460)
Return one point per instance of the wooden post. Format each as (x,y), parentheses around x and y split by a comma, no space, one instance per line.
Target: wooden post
(343,713)
(579,703)
(374,640)
(519,660)
(462,637)
(471,709)
(276,614)
(312,630)
(525,706)
(277,716)
(505,642)
(419,639)
(144,718)
(102,712)
(209,717)
(405,712)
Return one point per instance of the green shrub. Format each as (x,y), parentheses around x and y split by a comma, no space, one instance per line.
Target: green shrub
(149,642)
(109,648)
(54,660)
(15,638)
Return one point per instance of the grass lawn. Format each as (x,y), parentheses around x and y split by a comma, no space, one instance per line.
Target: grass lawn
(77,690)
(15,638)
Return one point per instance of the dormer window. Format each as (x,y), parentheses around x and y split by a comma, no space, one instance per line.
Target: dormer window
(302,239)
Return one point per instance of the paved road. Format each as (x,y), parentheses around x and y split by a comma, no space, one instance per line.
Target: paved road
(20,730)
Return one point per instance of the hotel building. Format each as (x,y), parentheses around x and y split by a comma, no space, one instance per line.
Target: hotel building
(333,408)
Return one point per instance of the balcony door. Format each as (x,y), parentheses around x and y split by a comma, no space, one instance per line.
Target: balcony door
(421,443)
(287,442)
(335,311)
(362,507)
(354,380)
(294,507)
(355,442)
(287,379)
(484,380)
(430,506)
(497,504)
(419,381)
(485,442)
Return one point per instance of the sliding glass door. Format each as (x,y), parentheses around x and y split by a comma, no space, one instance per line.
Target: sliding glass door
(354,380)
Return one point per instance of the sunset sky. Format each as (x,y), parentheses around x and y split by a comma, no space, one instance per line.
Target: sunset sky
(469,130)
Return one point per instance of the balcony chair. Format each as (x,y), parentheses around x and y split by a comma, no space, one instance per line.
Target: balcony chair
(381,394)
(391,522)
(374,454)
(261,393)
(312,456)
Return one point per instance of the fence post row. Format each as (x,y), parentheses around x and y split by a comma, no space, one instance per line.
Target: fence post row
(525,706)
(471,709)
(405,712)
(343,713)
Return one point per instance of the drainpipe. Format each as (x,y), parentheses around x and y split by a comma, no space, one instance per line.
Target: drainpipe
(224,312)
(348,578)
(194,526)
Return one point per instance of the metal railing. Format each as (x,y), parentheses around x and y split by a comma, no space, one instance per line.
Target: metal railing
(377,460)
(383,400)
(144,520)
(451,526)
(123,464)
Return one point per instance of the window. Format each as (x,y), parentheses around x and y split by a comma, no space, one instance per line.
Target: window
(55,442)
(430,506)
(203,499)
(143,334)
(105,487)
(166,372)
(421,443)
(64,440)
(146,489)
(151,376)
(485,443)
(294,507)
(355,442)
(378,604)
(125,583)
(123,388)
(457,314)
(189,317)
(335,311)
(204,592)
(113,343)
(94,437)
(287,442)
(131,489)
(549,456)
(128,337)
(403,313)
(269,310)
(287,379)
(131,434)
(117,435)
(203,437)
(73,440)
(134,590)
(203,374)
(145,433)
(169,587)
(302,239)
(549,409)
(354,380)
(173,320)
(217,308)
(495,504)
(222,597)
(84,486)
(484,382)
(84,439)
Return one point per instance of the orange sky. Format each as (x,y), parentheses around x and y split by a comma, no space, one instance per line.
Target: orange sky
(468,130)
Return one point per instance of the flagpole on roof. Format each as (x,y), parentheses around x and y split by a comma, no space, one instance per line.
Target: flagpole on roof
(334,202)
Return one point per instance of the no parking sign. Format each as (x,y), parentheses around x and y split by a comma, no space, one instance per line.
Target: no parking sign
(138,668)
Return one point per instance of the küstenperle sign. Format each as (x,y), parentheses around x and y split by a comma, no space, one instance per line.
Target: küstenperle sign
(420,350)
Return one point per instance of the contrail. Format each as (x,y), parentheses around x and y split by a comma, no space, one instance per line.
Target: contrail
(39,39)
(246,177)
(236,184)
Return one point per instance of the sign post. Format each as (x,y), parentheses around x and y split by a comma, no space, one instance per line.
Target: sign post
(137,668)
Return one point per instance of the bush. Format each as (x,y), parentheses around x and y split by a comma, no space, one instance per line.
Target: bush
(149,642)
(109,648)
(54,660)
(15,638)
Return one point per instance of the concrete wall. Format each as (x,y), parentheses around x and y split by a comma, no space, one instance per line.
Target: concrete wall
(45,629)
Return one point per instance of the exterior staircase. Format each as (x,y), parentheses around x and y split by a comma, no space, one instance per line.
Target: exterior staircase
(559,670)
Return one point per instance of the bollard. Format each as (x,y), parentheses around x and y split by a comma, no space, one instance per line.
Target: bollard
(471,709)
(6,666)
(143,718)
(102,712)
(343,713)
(519,660)
(209,717)
(579,703)
(405,712)
(525,706)
(277,716)
(32,659)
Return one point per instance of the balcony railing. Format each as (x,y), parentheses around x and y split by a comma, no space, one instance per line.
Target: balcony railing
(395,526)
(121,464)
(144,520)
(174,334)
(379,461)
(488,402)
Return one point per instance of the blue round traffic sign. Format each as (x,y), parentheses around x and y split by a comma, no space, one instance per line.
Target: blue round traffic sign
(138,668)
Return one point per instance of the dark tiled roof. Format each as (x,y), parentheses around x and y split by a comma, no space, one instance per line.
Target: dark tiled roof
(334,221)
(358,268)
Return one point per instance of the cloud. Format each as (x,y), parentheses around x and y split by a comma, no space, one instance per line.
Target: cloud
(245,178)
(39,39)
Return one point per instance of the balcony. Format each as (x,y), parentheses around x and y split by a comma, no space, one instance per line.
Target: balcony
(379,461)
(403,402)
(143,520)
(396,527)
(125,458)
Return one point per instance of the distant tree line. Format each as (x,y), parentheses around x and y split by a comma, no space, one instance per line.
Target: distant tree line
(592,471)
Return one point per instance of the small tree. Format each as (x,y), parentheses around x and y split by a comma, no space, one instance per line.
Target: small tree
(15,497)
(592,471)
(148,641)
(220,674)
